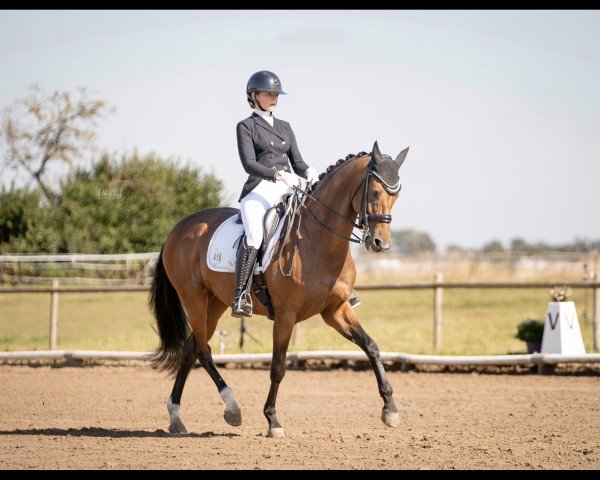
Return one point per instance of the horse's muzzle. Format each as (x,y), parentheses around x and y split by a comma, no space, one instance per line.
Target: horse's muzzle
(375,244)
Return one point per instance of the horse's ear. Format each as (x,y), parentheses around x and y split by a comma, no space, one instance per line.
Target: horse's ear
(376,153)
(401,157)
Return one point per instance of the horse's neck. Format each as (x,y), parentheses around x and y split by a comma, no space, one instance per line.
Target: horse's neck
(336,192)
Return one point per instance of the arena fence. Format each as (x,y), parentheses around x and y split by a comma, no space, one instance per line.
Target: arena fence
(437,286)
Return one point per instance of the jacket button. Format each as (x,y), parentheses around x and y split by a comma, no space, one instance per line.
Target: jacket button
(272,143)
(283,143)
(285,168)
(272,156)
(285,155)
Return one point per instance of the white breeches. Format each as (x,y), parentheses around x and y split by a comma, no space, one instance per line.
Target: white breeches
(254,206)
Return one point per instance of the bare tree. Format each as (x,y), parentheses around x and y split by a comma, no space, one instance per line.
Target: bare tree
(41,129)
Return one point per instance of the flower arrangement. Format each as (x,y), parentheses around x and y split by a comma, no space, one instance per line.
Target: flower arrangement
(560,294)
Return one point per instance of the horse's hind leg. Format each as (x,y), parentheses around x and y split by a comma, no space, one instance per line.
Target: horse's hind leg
(232,415)
(188,358)
(204,311)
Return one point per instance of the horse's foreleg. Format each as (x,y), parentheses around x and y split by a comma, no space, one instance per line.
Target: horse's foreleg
(345,321)
(282,331)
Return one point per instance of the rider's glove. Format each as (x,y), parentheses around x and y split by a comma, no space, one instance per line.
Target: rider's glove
(290,179)
(312,175)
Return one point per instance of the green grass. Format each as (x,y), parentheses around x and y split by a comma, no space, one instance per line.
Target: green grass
(476,322)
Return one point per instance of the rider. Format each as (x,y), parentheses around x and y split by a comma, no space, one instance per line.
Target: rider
(270,155)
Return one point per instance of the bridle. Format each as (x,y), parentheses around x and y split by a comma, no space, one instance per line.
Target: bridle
(364,217)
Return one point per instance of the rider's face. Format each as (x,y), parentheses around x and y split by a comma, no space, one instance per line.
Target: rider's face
(267,100)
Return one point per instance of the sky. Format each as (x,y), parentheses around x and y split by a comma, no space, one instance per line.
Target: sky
(500,108)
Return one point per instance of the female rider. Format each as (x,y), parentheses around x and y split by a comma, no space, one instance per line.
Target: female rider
(270,155)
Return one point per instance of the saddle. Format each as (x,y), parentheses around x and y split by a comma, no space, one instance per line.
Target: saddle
(222,250)
(273,217)
(271,220)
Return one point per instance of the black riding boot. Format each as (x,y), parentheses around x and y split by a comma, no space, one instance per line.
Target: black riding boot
(244,266)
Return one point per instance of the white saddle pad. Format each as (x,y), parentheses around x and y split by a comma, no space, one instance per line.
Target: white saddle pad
(222,249)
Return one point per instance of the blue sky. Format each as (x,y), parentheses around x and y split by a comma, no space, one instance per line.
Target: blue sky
(500,109)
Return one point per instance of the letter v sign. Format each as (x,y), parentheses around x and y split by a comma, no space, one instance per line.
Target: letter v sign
(553,323)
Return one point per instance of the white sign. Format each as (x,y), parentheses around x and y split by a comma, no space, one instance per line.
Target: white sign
(561,330)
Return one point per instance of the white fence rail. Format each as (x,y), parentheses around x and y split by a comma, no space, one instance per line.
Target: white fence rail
(404,359)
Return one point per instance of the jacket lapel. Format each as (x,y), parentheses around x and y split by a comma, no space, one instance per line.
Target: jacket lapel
(263,123)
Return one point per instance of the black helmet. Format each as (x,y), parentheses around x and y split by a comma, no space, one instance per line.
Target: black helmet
(263,81)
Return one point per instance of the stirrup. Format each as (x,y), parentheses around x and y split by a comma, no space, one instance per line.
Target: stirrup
(244,306)
(354,301)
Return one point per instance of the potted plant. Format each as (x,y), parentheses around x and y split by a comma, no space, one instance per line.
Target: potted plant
(531,331)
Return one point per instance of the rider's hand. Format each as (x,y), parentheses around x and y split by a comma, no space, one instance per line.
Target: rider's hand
(290,179)
(312,176)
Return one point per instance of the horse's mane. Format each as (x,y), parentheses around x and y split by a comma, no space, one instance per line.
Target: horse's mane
(334,166)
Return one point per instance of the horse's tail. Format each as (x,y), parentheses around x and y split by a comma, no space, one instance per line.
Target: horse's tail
(171,320)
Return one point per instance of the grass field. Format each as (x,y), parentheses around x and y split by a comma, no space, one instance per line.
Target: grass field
(476,321)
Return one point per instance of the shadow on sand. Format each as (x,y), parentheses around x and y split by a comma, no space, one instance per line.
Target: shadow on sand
(111,433)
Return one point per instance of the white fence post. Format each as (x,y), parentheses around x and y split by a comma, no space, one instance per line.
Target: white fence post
(596,319)
(438,295)
(296,335)
(53,314)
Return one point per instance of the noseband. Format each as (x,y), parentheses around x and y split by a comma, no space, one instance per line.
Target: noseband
(363,216)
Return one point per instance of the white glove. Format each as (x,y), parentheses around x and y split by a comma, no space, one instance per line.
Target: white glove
(312,176)
(290,179)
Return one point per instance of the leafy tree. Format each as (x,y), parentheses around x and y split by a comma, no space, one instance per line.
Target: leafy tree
(454,247)
(42,129)
(17,207)
(412,241)
(116,205)
(131,204)
(493,246)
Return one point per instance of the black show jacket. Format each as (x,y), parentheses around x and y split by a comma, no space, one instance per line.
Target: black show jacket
(264,149)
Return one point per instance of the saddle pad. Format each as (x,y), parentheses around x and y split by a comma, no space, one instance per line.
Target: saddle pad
(222,249)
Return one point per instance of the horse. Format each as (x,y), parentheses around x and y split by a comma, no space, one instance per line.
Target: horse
(187,298)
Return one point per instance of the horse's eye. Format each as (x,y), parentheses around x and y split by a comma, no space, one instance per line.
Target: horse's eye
(374,194)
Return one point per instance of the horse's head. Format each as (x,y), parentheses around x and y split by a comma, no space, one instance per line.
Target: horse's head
(374,200)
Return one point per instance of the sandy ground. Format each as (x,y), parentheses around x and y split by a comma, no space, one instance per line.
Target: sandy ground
(115,417)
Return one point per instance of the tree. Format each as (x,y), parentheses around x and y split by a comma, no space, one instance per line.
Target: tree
(493,246)
(455,247)
(411,241)
(43,129)
(518,244)
(17,209)
(130,204)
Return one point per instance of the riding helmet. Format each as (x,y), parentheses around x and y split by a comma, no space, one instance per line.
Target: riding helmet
(263,81)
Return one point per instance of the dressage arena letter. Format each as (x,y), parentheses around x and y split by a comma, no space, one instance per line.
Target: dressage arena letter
(561,330)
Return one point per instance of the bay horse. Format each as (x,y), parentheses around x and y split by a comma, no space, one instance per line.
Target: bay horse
(187,298)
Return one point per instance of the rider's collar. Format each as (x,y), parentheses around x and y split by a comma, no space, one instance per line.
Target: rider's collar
(265,115)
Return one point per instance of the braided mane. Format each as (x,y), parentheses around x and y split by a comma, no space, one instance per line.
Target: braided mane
(333,167)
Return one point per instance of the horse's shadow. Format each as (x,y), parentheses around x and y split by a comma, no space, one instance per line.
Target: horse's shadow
(111,433)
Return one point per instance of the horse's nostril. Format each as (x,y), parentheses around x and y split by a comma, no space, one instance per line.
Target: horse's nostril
(380,245)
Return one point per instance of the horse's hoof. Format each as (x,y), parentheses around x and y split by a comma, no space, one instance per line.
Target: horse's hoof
(177,427)
(391,419)
(276,433)
(233,417)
